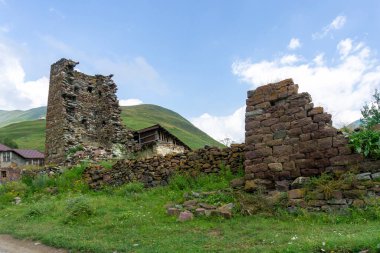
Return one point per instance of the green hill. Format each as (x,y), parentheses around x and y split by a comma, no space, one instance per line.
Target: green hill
(8,117)
(31,134)
(27,134)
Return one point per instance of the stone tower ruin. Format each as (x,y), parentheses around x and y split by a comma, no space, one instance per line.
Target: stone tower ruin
(83,111)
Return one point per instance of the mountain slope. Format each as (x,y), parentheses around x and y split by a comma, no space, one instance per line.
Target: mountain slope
(8,117)
(27,134)
(31,134)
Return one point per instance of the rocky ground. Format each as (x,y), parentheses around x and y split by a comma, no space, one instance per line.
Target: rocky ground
(11,245)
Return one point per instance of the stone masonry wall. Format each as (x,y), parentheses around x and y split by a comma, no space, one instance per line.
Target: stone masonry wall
(287,137)
(158,169)
(82,110)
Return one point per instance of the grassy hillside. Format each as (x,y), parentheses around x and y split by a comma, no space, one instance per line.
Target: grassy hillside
(141,116)
(27,134)
(31,134)
(8,117)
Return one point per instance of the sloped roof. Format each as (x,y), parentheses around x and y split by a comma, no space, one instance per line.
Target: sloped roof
(159,127)
(29,154)
(4,148)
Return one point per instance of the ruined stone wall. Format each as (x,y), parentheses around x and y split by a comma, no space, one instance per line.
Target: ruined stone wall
(83,110)
(157,170)
(9,174)
(287,137)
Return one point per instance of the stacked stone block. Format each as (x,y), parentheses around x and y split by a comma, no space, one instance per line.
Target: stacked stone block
(287,137)
(157,170)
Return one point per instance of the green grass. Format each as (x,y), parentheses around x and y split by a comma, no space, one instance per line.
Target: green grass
(27,134)
(133,219)
(31,134)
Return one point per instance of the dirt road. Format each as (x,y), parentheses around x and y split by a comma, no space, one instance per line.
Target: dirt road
(11,245)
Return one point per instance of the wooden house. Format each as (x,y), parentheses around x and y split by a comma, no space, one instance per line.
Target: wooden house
(156,140)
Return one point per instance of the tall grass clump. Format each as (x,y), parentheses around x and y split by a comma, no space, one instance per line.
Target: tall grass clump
(200,181)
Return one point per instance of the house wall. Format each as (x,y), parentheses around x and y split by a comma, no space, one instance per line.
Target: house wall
(82,110)
(15,160)
(11,174)
(162,148)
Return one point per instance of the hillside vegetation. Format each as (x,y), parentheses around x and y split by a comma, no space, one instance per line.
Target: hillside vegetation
(8,117)
(31,134)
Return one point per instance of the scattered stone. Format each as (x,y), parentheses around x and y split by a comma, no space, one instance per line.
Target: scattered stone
(172,211)
(364,176)
(185,216)
(190,203)
(200,211)
(237,183)
(296,194)
(207,206)
(375,175)
(300,182)
(17,200)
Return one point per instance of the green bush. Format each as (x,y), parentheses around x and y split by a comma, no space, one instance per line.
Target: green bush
(129,189)
(77,209)
(366,142)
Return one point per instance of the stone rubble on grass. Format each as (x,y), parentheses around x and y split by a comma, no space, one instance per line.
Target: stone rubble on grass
(196,207)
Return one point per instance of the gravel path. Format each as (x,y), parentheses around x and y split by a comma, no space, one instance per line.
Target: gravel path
(11,245)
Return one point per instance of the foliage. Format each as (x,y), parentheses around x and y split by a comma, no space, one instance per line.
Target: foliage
(371,112)
(78,208)
(184,181)
(8,142)
(73,150)
(367,140)
(69,180)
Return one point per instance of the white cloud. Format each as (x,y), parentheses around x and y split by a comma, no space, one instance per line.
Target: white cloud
(130,102)
(289,59)
(341,87)
(336,24)
(294,43)
(221,127)
(16,92)
(345,47)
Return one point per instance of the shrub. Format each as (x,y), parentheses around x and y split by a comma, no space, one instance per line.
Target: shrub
(78,208)
(129,189)
(366,142)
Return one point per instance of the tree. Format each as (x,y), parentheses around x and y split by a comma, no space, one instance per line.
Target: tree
(371,112)
(8,142)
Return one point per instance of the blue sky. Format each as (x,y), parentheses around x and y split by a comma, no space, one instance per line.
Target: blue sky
(197,58)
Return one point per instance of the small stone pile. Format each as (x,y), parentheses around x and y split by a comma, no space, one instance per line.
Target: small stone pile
(157,170)
(287,137)
(194,206)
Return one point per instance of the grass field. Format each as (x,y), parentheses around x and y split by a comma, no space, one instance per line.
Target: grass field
(31,134)
(133,219)
(27,134)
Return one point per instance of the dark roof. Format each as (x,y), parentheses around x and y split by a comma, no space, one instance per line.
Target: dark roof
(29,154)
(4,148)
(159,127)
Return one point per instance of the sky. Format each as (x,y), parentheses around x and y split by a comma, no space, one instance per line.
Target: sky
(198,58)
